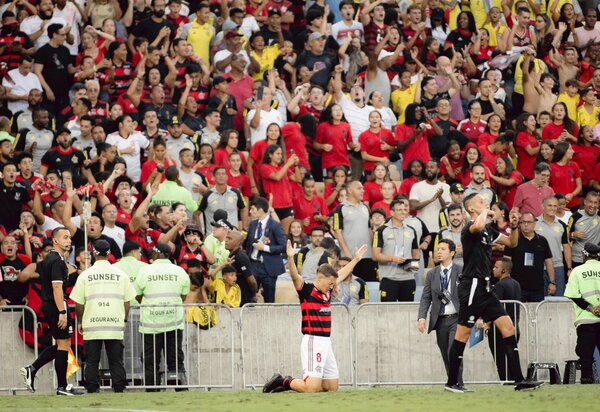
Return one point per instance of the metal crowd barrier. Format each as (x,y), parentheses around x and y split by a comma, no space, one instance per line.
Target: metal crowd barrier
(270,342)
(389,350)
(14,353)
(208,354)
(555,334)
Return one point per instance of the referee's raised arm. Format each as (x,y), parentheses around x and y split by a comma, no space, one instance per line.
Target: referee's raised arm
(296,278)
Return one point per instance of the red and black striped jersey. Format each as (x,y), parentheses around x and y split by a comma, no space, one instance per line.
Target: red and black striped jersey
(316,310)
(121,81)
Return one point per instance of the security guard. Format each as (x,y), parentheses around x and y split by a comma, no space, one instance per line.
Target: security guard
(583,289)
(102,294)
(131,262)
(164,286)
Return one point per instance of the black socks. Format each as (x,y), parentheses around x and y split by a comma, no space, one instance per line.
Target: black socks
(512,354)
(60,366)
(45,357)
(455,360)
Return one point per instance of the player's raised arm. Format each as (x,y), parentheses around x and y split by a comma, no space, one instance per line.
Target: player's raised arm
(346,270)
(296,278)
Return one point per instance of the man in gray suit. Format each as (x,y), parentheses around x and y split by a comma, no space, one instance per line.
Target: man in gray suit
(440,293)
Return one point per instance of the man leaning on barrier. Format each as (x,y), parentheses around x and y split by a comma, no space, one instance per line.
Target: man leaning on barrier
(102,294)
(584,290)
(162,286)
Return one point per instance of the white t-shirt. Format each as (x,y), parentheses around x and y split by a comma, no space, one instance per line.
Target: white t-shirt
(43,141)
(357,117)
(423,191)
(223,54)
(115,233)
(340,31)
(136,140)
(32,24)
(188,180)
(249,26)
(266,118)
(73,18)
(20,86)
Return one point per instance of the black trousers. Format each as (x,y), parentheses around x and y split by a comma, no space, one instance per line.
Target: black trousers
(114,352)
(445,329)
(397,290)
(588,338)
(154,345)
(498,350)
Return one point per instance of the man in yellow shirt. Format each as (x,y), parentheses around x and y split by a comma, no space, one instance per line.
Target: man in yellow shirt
(200,33)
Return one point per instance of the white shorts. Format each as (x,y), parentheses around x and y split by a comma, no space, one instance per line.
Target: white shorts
(318,360)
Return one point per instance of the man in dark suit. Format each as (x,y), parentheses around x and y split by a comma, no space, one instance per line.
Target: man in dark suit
(440,293)
(265,244)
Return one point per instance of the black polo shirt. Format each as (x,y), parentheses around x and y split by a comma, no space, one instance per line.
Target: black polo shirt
(12,200)
(528,259)
(242,267)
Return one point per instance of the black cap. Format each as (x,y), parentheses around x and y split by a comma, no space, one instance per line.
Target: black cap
(129,246)
(101,247)
(274,11)
(62,130)
(220,220)
(163,249)
(221,79)
(192,229)
(591,250)
(457,188)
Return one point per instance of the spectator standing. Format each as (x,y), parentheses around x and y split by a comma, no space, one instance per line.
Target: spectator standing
(477,184)
(13,292)
(529,257)
(36,26)
(565,176)
(19,83)
(313,255)
(265,243)
(529,195)
(170,192)
(102,294)
(200,33)
(310,208)
(556,234)
(241,262)
(584,226)
(456,218)
(166,285)
(353,290)
(441,295)
(428,197)
(14,197)
(129,145)
(131,263)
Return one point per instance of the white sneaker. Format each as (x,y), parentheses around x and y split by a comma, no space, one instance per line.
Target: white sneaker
(28,377)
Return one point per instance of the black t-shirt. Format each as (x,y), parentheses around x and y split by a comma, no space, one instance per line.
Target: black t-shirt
(242,267)
(53,269)
(71,160)
(271,37)
(528,261)
(321,65)
(79,241)
(486,105)
(477,251)
(459,39)
(12,200)
(149,29)
(509,289)
(55,61)
(226,120)
(10,287)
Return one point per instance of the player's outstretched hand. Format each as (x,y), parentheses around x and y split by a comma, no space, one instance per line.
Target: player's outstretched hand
(360,252)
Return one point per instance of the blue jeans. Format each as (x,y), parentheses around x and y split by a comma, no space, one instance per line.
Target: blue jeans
(559,279)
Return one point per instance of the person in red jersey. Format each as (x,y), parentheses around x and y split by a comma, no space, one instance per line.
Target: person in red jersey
(320,371)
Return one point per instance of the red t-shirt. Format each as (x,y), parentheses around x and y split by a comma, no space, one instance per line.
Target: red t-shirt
(507,194)
(304,208)
(526,161)
(587,157)
(418,149)
(382,204)
(282,192)
(257,151)
(296,141)
(488,158)
(563,179)
(149,166)
(222,158)
(455,166)
(472,130)
(241,183)
(372,193)
(327,191)
(123,217)
(552,131)
(146,238)
(486,139)
(370,143)
(338,136)
(207,171)
(406,186)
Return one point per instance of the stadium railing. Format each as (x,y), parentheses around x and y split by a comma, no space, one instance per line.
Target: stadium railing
(16,321)
(555,334)
(270,342)
(208,349)
(389,350)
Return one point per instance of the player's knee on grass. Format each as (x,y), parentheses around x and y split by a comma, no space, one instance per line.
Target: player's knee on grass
(310,385)
(331,385)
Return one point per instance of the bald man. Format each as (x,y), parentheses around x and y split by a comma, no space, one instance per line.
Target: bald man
(245,279)
(445,85)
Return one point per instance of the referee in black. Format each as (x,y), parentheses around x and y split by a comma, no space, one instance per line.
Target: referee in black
(476,300)
(53,277)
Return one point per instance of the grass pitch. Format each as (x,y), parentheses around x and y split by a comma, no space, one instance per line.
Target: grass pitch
(554,398)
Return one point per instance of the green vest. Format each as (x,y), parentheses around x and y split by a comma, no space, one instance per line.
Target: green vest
(584,282)
(170,192)
(219,251)
(132,267)
(162,283)
(103,290)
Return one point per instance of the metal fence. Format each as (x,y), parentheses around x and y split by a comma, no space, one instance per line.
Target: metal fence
(270,342)
(553,341)
(14,353)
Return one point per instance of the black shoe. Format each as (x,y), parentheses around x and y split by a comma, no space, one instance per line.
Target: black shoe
(273,383)
(466,390)
(68,391)
(528,385)
(28,377)
(455,388)
(279,389)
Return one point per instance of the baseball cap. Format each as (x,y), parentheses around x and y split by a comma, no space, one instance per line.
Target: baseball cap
(591,250)
(231,34)
(229,25)
(62,130)
(315,36)
(6,136)
(101,247)
(220,220)
(174,120)
(274,11)
(192,229)
(221,79)
(457,188)
(162,248)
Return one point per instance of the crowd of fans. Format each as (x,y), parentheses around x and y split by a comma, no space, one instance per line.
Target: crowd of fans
(158,121)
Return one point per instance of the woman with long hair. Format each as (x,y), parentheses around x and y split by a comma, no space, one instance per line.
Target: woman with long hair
(297,135)
(375,143)
(430,53)
(388,193)
(482,50)
(334,185)
(206,165)
(566,176)
(375,99)
(566,15)
(297,235)
(332,139)
(412,137)
(160,160)
(465,29)
(545,35)
(472,156)
(372,188)
(236,176)
(546,152)
(228,144)
(275,181)
(417,173)
(500,223)
(561,127)
(439,28)
(493,128)
(473,126)
(89,47)
(587,153)
(527,143)
(506,180)
(257,153)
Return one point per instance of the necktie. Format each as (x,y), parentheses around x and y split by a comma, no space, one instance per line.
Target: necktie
(259,231)
(445,279)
